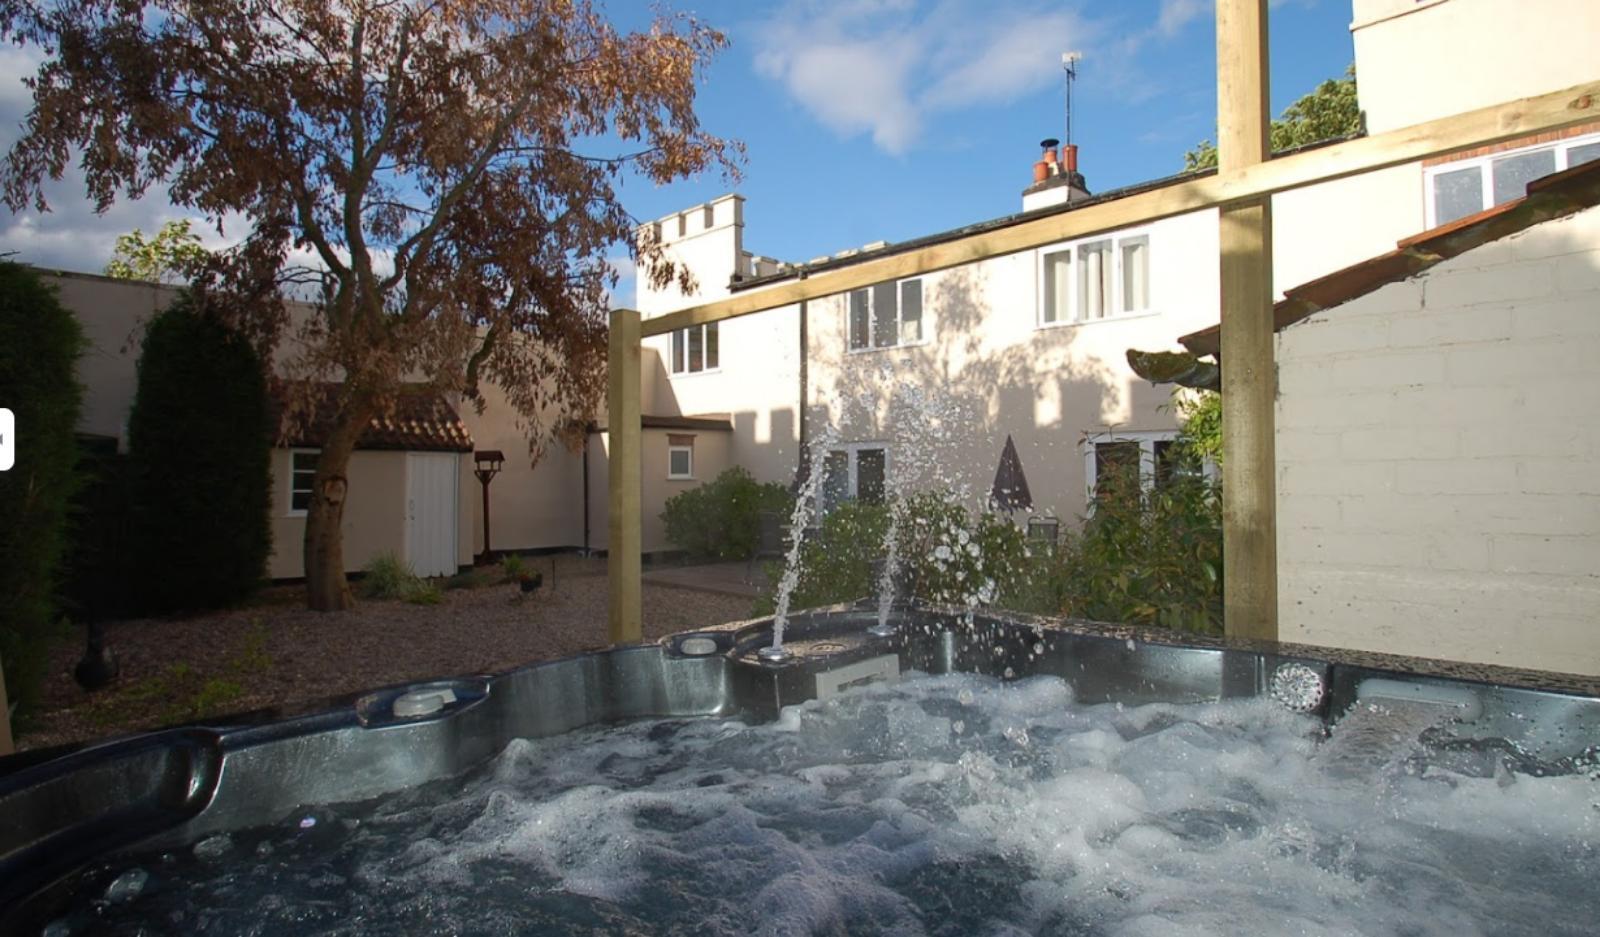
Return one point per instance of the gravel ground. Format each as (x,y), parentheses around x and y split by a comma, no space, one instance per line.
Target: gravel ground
(274,653)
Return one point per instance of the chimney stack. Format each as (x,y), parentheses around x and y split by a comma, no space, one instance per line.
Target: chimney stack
(1047,165)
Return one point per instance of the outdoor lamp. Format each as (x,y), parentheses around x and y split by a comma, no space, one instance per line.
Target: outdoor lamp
(487,464)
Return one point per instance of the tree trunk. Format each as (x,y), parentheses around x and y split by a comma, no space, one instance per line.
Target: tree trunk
(327,589)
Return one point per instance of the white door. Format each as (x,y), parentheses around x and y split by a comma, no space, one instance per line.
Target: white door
(432,499)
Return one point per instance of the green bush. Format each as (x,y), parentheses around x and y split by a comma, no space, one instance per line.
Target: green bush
(387,576)
(836,559)
(946,554)
(98,583)
(721,520)
(512,567)
(40,342)
(199,464)
(1146,558)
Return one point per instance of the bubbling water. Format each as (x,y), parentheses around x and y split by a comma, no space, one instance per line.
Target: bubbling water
(949,805)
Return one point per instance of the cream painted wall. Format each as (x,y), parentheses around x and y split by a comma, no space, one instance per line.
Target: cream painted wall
(1417,60)
(374,514)
(1319,229)
(1437,492)
(757,382)
(532,505)
(987,370)
(711,458)
(113,314)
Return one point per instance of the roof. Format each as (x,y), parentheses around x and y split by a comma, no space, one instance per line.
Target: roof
(709,423)
(421,420)
(801,271)
(1553,196)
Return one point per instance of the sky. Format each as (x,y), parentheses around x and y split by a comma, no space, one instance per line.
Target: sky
(868,120)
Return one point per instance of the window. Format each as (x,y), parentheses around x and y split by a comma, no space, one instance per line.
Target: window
(857,472)
(1466,187)
(302,469)
(1138,460)
(680,456)
(886,315)
(1094,280)
(695,349)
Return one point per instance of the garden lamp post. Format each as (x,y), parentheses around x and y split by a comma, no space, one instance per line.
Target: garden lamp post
(488,463)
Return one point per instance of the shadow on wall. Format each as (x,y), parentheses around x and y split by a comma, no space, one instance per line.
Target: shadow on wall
(944,408)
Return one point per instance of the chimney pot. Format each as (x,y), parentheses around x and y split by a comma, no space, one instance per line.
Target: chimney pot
(1069,155)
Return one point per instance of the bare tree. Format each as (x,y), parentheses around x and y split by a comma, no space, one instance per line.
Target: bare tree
(427,155)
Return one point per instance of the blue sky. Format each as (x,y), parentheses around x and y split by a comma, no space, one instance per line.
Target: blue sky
(891,119)
(875,120)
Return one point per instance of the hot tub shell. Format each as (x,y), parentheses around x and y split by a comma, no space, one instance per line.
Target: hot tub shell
(168,788)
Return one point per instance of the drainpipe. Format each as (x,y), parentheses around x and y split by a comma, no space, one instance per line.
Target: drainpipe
(586,494)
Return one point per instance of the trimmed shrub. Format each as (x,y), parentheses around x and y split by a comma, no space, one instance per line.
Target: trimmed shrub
(97,583)
(199,464)
(721,520)
(40,342)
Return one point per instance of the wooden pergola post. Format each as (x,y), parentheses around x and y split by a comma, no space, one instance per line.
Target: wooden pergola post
(1249,376)
(623,425)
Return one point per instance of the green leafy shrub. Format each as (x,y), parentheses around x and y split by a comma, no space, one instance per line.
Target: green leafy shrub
(387,576)
(1146,558)
(721,519)
(950,556)
(836,559)
(40,342)
(199,464)
(947,555)
(512,567)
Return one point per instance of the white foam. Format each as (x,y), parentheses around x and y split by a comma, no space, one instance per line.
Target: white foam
(841,817)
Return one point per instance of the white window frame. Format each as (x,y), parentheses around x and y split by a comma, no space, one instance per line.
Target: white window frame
(1147,440)
(676,368)
(294,511)
(1486,176)
(853,452)
(687,450)
(1074,316)
(899,318)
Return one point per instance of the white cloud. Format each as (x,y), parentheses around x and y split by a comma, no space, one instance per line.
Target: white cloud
(1174,15)
(888,67)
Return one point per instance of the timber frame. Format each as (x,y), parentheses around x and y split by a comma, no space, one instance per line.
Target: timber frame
(1241,190)
(1247,177)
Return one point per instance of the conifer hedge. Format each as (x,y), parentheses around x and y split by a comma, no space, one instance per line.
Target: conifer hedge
(199,471)
(40,342)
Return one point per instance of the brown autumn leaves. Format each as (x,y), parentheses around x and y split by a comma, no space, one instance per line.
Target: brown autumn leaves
(452,167)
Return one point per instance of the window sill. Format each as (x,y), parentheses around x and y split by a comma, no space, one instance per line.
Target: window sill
(1120,317)
(900,347)
(680,478)
(674,375)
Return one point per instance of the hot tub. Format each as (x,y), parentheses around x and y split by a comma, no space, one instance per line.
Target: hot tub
(951,774)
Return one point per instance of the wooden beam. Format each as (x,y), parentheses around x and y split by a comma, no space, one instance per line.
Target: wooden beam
(625,623)
(1557,110)
(7,744)
(1249,507)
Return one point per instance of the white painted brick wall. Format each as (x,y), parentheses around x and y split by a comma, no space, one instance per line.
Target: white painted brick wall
(1439,460)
